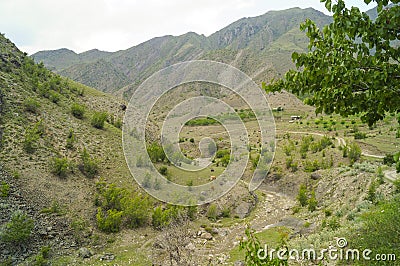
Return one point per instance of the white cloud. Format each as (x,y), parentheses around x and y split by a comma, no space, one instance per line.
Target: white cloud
(119,24)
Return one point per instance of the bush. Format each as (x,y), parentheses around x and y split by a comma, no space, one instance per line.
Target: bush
(60,166)
(4,190)
(136,211)
(354,152)
(212,212)
(109,222)
(18,229)
(89,166)
(54,96)
(312,202)
(31,105)
(163,170)
(98,119)
(78,110)
(156,153)
(302,195)
(32,135)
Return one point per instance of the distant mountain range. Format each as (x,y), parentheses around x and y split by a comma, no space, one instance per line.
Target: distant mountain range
(259,46)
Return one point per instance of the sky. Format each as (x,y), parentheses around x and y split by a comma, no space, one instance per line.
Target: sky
(112,25)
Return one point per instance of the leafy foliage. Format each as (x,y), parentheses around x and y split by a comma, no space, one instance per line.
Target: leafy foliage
(98,119)
(89,166)
(18,229)
(352,65)
(4,189)
(77,110)
(31,105)
(252,248)
(385,215)
(60,166)
(302,196)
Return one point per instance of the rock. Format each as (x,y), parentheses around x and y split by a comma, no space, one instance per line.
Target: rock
(191,247)
(239,263)
(207,236)
(107,257)
(85,253)
(315,176)
(243,210)
(214,231)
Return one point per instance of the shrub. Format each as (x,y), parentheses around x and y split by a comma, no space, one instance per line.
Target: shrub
(222,153)
(41,259)
(4,190)
(291,164)
(109,222)
(77,110)
(98,119)
(225,160)
(163,170)
(59,166)
(360,135)
(251,245)
(354,152)
(302,195)
(89,166)
(212,212)
(312,202)
(31,105)
(135,211)
(18,229)
(156,153)
(32,135)
(54,96)
(311,166)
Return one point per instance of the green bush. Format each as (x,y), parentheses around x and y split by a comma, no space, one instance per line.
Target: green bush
(312,202)
(18,229)
(379,231)
(251,246)
(136,211)
(212,212)
(32,135)
(41,259)
(354,152)
(109,222)
(4,190)
(54,96)
(78,110)
(31,105)
(222,153)
(302,196)
(89,166)
(156,153)
(163,170)
(59,166)
(98,119)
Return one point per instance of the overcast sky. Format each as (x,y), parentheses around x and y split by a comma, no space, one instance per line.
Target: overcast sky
(112,25)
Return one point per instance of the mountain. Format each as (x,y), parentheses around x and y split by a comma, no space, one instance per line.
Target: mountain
(260,46)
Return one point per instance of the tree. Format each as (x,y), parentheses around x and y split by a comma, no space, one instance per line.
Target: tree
(352,66)
(302,195)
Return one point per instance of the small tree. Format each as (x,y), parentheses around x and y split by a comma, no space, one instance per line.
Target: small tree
(60,166)
(98,119)
(312,202)
(18,229)
(4,189)
(302,195)
(354,152)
